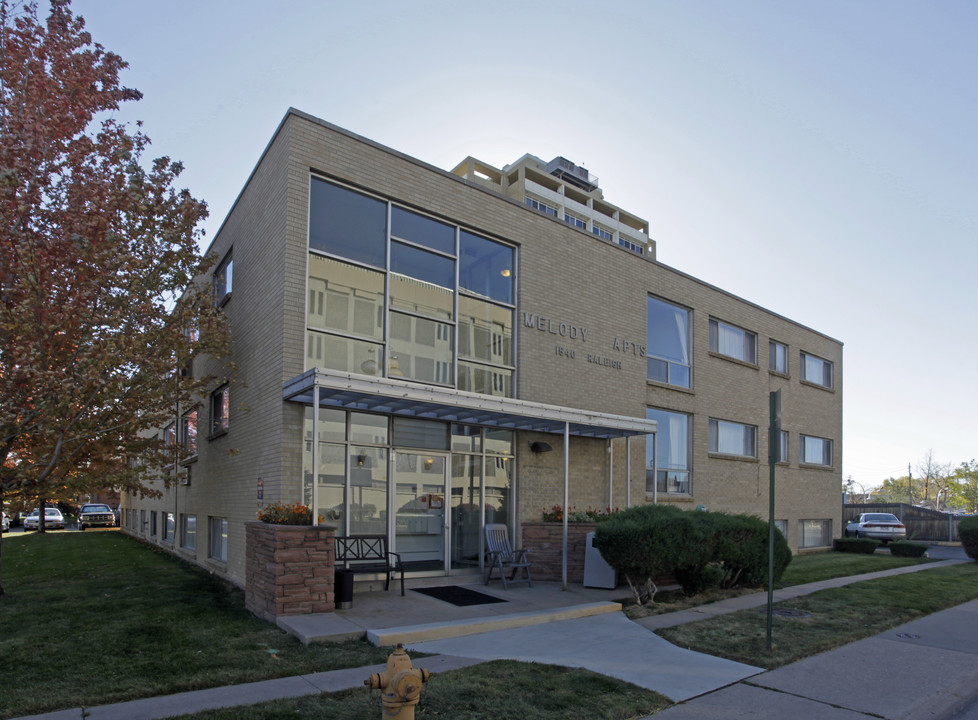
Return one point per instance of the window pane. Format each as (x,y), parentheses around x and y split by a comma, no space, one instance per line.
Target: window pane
(332,426)
(422,282)
(732,341)
(672,442)
(668,332)
(339,353)
(779,357)
(729,438)
(368,490)
(466,438)
(367,428)
(815,370)
(485,379)
(485,331)
(426,354)
(422,230)
(499,441)
(346,223)
(345,297)
(486,267)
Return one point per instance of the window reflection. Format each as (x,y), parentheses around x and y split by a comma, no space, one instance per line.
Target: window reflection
(486,267)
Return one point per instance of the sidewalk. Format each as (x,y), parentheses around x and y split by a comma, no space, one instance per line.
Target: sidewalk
(921,670)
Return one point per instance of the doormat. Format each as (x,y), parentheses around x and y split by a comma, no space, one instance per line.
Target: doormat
(458,595)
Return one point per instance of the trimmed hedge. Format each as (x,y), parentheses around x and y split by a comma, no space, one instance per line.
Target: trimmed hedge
(903,548)
(968,532)
(866,546)
(700,549)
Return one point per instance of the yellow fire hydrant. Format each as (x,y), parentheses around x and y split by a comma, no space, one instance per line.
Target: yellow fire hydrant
(400,684)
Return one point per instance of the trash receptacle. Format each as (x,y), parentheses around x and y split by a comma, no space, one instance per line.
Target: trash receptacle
(597,572)
(343,588)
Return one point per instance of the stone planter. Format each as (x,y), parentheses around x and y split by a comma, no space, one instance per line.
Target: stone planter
(288,569)
(544,546)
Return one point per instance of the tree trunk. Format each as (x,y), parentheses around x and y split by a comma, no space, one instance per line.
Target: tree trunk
(40,517)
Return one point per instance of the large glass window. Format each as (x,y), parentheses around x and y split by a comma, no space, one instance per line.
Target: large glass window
(672,443)
(486,267)
(731,438)
(667,352)
(733,341)
(347,223)
(815,370)
(399,320)
(422,281)
(422,230)
(816,451)
(346,298)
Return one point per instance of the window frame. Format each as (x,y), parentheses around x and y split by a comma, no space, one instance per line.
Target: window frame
(220,421)
(773,358)
(188,531)
(190,441)
(224,279)
(217,542)
(714,439)
(827,367)
(651,356)
(659,470)
(826,533)
(715,327)
(828,449)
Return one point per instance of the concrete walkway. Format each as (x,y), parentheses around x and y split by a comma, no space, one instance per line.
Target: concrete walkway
(925,669)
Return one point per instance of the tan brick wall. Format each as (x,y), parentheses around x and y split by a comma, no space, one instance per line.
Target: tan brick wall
(591,297)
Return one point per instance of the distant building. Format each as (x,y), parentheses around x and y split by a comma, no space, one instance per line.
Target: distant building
(454,326)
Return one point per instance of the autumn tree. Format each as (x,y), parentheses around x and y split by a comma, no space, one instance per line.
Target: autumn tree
(101,298)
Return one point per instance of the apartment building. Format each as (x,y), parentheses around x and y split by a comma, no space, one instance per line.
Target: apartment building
(420,352)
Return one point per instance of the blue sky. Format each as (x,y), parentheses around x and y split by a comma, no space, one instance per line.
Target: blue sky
(817,158)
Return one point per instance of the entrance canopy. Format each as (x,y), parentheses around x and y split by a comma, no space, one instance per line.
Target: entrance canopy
(407,399)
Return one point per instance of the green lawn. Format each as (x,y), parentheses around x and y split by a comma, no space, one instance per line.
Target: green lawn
(837,617)
(96,617)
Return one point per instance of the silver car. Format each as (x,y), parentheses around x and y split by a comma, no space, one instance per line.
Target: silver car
(95,515)
(53,519)
(877,526)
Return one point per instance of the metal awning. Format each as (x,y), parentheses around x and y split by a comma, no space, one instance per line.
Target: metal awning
(407,399)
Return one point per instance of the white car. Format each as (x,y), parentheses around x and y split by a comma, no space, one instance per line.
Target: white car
(4,522)
(878,526)
(53,519)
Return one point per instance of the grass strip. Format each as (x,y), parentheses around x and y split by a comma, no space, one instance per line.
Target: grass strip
(837,617)
(96,617)
(529,691)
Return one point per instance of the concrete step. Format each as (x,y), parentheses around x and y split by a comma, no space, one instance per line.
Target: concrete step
(473,626)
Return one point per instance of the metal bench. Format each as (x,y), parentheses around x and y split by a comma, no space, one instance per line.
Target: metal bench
(368,554)
(502,556)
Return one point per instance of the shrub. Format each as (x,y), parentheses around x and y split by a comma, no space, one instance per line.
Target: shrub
(697,579)
(903,548)
(740,546)
(556,514)
(968,532)
(649,541)
(866,546)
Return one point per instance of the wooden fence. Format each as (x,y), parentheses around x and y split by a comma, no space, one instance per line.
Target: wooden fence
(922,523)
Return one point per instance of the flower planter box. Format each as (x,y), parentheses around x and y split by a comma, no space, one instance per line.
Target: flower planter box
(289,569)
(544,547)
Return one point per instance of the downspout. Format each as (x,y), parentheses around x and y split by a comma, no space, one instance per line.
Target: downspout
(563,563)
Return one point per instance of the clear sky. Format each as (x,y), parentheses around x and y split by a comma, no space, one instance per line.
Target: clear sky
(817,158)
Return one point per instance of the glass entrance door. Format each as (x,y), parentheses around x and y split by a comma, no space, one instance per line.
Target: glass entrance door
(420,509)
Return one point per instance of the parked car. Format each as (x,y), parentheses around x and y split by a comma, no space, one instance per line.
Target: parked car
(95,515)
(53,519)
(878,526)
(4,522)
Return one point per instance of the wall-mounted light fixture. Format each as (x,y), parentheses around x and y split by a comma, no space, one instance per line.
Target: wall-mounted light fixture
(540,447)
